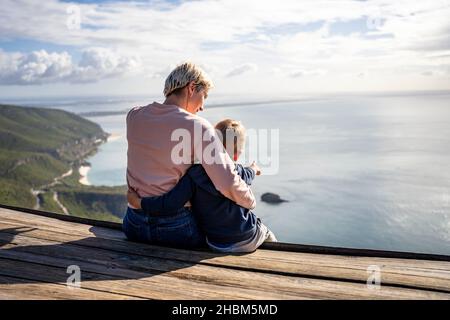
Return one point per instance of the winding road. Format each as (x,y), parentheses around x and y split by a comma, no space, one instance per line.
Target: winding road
(40,190)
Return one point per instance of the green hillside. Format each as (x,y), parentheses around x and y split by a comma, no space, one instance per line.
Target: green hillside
(38,145)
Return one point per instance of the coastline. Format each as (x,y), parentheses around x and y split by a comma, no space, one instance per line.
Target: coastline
(85,167)
(113,137)
(83,170)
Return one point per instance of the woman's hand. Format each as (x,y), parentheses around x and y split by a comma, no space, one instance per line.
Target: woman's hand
(133,199)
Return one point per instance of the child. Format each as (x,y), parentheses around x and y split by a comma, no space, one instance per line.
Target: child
(227,226)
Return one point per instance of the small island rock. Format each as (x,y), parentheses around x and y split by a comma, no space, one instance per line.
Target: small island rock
(272,198)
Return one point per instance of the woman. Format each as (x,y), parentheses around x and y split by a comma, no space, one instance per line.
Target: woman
(154,169)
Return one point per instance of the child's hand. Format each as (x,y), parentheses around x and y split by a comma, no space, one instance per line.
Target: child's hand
(255,168)
(133,198)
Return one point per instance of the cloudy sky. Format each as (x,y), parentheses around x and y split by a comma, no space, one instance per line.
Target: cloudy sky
(57,48)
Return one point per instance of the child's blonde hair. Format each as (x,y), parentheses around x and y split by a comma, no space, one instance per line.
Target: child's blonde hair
(232,134)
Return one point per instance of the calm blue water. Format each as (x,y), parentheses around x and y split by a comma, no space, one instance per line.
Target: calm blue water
(358,171)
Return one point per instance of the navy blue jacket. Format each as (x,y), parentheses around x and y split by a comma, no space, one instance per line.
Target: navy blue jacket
(221,219)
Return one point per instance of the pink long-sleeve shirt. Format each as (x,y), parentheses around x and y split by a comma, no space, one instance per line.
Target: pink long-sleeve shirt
(152,168)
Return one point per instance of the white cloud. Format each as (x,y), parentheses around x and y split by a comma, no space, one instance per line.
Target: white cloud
(407,42)
(40,67)
(305,73)
(241,69)
(34,68)
(101,63)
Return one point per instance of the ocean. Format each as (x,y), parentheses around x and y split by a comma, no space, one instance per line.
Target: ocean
(361,171)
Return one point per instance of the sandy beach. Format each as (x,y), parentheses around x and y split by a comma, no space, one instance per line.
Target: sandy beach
(114,137)
(83,170)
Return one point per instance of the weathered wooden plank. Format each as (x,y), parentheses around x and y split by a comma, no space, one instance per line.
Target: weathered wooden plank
(80,228)
(20,289)
(272,246)
(64,217)
(355,252)
(99,232)
(59,225)
(263,254)
(153,286)
(312,288)
(420,273)
(126,266)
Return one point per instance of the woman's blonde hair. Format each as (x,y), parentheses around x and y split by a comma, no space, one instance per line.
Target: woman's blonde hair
(232,129)
(182,75)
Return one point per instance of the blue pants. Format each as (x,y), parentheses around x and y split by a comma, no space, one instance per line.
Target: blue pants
(179,230)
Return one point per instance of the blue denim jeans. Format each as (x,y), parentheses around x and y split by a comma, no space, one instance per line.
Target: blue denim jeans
(179,230)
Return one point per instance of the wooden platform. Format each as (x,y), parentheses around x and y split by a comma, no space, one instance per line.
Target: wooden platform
(35,252)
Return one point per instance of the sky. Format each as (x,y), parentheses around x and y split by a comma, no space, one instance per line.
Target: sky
(248,47)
